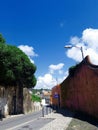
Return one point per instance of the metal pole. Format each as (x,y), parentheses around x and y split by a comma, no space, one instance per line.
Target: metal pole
(82,52)
(42,111)
(71,46)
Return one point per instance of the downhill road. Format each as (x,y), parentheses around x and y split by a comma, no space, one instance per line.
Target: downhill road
(32,121)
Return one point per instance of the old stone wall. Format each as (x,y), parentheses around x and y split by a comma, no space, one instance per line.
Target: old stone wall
(9,100)
(28,105)
(13,100)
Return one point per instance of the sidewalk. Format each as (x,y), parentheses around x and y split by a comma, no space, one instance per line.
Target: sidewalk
(66,120)
(61,120)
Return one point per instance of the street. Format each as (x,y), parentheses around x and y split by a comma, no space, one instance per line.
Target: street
(32,121)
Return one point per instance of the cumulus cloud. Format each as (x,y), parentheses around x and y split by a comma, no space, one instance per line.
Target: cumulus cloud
(58,67)
(89,42)
(49,80)
(46,81)
(29,51)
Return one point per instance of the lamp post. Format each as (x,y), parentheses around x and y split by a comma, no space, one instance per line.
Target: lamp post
(79,47)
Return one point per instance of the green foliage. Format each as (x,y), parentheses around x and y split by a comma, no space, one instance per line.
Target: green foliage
(2,40)
(72,70)
(36,98)
(15,67)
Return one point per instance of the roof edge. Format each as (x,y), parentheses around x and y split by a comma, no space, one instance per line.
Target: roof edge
(88,62)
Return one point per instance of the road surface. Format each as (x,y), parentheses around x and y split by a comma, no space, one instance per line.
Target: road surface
(33,121)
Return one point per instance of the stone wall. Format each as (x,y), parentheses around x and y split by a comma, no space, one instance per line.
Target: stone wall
(10,100)
(28,105)
(14,100)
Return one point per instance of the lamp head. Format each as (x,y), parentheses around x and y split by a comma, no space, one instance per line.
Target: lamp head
(68,46)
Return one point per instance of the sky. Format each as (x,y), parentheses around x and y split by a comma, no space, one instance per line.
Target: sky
(41,29)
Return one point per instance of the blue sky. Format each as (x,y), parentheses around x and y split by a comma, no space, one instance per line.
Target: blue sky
(41,28)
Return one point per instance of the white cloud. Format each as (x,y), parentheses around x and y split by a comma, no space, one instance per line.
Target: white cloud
(90,37)
(29,51)
(46,81)
(49,80)
(89,42)
(58,67)
(74,40)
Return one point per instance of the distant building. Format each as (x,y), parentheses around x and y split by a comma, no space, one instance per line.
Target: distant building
(46,95)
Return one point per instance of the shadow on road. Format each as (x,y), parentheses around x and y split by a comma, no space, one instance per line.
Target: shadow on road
(85,117)
(78,115)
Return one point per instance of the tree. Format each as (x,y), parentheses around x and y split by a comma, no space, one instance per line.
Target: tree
(15,67)
(2,40)
(17,71)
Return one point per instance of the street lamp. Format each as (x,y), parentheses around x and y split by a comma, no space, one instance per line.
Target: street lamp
(80,47)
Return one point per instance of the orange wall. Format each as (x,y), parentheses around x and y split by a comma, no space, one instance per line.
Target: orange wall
(56,90)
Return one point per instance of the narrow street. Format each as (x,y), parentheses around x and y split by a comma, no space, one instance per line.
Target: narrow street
(33,121)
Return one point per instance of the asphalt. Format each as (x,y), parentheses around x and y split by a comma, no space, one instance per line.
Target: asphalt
(64,119)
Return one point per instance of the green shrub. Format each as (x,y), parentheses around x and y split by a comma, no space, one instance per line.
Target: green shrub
(36,98)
